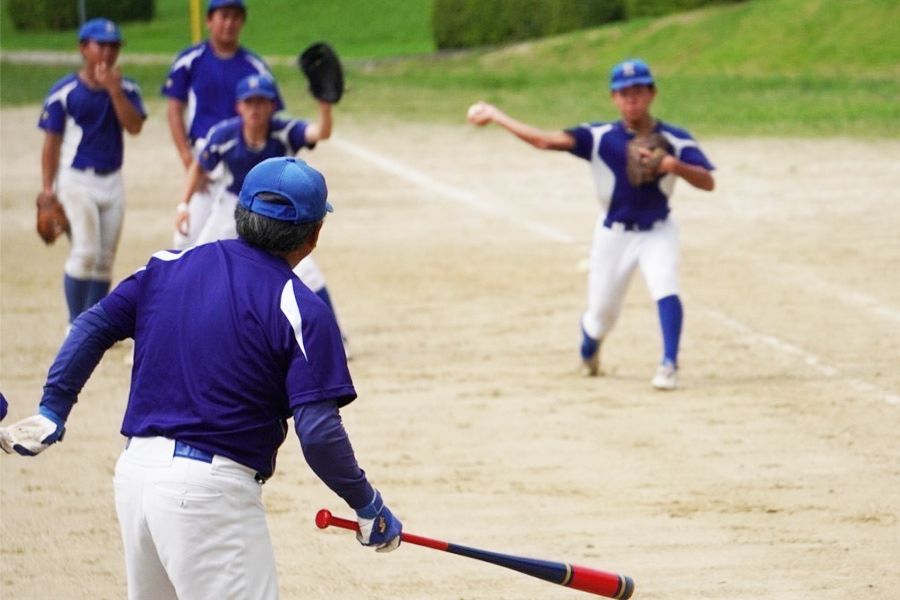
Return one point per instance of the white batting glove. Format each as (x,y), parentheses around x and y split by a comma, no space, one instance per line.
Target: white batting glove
(33,435)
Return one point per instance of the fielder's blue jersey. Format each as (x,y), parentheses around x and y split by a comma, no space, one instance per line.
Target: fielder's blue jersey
(225,143)
(604,145)
(85,117)
(207,83)
(237,343)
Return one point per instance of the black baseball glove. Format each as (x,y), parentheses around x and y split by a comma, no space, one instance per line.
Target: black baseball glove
(322,68)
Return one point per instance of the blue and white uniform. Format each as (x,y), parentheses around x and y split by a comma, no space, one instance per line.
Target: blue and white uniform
(89,181)
(225,145)
(206,83)
(634,229)
(229,344)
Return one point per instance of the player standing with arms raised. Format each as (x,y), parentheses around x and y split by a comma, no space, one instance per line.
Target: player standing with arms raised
(81,160)
(634,229)
(229,343)
(238,145)
(200,90)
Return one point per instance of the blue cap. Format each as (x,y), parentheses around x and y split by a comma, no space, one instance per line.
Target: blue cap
(100,30)
(215,4)
(292,179)
(256,85)
(630,72)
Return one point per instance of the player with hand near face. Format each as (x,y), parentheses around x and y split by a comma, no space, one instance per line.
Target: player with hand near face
(83,118)
(634,229)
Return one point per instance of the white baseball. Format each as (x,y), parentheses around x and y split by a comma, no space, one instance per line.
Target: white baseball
(474,110)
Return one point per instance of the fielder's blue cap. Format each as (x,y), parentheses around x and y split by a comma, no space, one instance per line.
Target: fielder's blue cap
(302,191)
(216,4)
(256,85)
(100,30)
(630,72)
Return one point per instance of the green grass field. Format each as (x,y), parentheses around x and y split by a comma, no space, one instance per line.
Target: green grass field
(762,67)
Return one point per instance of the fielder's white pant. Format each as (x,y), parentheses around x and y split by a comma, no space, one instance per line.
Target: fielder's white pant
(95,207)
(191,529)
(199,209)
(615,254)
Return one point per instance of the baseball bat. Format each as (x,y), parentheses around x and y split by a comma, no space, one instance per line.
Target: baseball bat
(609,585)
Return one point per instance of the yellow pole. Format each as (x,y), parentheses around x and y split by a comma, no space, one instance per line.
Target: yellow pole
(194,8)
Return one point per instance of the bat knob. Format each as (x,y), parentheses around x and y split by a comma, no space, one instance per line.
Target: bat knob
(323,518)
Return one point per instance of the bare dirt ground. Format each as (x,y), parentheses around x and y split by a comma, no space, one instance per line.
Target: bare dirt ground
(456,259)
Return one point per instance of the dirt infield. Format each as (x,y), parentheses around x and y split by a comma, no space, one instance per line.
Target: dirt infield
(456,259)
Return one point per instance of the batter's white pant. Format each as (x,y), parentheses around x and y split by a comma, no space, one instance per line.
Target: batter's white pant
(191,529)
(95,207)
(615,254)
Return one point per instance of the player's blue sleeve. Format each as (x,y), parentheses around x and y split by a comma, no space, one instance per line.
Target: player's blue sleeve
(297,135)
(584,142)
(693,155)
(133,92)
(53,116)
(120,305)
(92,334)
(178,82)
(210,155)
(329,454)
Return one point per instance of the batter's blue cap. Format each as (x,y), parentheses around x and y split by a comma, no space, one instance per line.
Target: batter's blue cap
(256,85)
(630,72)
(301,187)
(216,4)
(100,30)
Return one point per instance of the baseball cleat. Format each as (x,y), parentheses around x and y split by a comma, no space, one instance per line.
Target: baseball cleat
(666,377)
(590,354)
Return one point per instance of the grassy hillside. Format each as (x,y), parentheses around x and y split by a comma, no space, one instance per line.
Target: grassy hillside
(762,67)
(359,28)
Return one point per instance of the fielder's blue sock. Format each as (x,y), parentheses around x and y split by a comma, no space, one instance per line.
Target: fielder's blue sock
(671,316)
(77,291)
(326,298)
(97,291)
(589,345)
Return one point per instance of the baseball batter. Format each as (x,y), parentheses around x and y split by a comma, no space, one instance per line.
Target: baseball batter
(200,90)
(83,117)
(235,146)
(634,229)
(229,343)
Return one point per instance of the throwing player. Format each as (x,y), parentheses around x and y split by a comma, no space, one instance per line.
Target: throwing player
(200,90)
(238,145)
(634,229)
(228,344)
(83,117)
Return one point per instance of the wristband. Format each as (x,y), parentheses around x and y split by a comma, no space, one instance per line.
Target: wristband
(182,207)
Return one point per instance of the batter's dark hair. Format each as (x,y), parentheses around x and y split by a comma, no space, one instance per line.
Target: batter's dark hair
(272,235)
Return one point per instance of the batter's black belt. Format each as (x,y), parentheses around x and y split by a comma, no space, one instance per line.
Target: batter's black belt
(631,225)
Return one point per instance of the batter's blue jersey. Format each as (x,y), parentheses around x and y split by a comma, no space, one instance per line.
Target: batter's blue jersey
(237,343)
(604,145)
(225,143)
(207,83)
(85,117)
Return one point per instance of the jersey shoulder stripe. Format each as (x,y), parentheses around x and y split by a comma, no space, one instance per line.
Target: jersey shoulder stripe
(61,89)
(224,130)
(291,310)
(188,56)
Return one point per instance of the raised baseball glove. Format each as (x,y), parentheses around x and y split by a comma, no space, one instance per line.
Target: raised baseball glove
(51,218)
(645,152)
(322,68)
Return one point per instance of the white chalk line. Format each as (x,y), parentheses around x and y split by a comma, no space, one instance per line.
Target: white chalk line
(472,201)
(469,199)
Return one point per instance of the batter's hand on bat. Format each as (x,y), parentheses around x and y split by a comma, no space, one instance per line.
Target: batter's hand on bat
(33,435)
(377,526)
